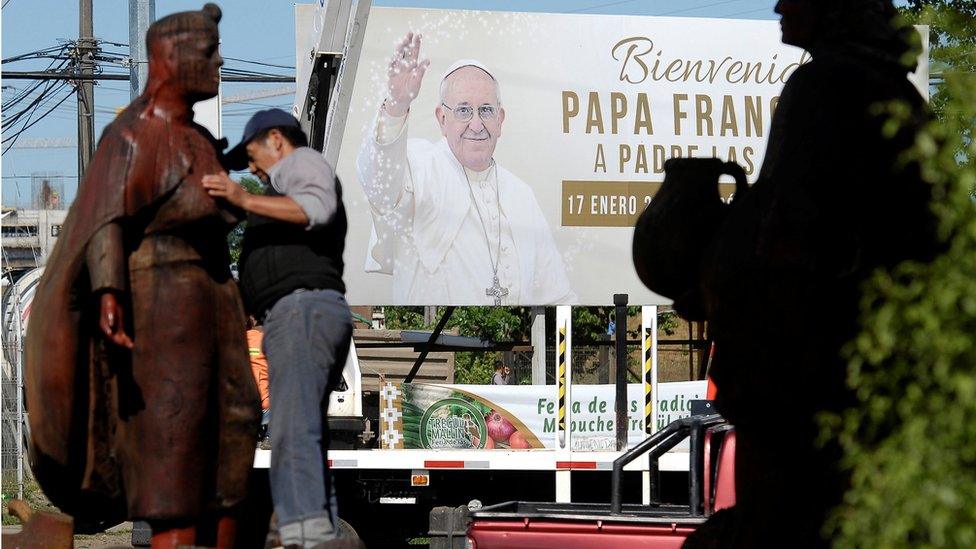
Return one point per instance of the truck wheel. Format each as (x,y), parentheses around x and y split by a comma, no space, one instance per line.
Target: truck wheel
(346,530)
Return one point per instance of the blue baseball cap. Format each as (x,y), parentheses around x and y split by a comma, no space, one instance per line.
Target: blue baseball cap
(236,158)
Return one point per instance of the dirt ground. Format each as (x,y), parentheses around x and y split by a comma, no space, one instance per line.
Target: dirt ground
(120,536)
(117,537)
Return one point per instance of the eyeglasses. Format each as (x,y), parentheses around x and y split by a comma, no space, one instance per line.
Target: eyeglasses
(465,112)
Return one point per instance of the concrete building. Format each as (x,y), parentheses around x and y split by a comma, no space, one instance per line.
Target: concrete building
(28,236)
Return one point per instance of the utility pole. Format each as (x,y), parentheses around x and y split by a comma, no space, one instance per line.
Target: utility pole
(86,87)
(141,14)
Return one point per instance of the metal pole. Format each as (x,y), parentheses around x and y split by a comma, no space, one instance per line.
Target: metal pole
(141,14)
(620,303)
(338,108)
(86,88)
(564,388)
(433,339)
(538,345)
(19,360)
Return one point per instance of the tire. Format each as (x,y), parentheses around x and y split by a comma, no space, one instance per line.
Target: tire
(346,530)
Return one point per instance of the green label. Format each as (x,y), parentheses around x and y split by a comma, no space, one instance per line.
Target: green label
(452,423)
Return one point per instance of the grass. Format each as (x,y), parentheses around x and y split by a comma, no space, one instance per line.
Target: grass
(33,495)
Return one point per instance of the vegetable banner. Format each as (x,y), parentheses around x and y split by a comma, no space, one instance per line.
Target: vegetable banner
(518,417)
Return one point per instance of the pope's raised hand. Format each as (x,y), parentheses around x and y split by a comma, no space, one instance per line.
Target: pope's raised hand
(406,73)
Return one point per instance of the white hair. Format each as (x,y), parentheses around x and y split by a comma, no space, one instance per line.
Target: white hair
(460,64)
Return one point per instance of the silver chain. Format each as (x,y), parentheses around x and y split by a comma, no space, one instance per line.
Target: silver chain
(484,229)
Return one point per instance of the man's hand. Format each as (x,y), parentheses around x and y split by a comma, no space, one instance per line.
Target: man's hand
(279,208)
(111,321)
(222,186)
(406,73)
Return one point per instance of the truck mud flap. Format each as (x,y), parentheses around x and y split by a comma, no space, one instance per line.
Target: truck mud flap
(449,527)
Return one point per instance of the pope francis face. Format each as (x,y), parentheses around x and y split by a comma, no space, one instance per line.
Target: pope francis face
(470,116)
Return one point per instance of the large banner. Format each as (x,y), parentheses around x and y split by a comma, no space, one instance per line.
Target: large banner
(519,417)
(515,172)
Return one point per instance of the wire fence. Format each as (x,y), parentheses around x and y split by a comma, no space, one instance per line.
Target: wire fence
(12,425)
(12,459)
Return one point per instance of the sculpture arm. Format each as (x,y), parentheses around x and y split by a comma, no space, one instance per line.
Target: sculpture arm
(105,258)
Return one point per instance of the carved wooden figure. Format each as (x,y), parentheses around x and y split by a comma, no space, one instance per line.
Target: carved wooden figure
(140,397)
(780,279)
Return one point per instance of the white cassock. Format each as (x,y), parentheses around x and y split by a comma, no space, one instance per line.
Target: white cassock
(428,234)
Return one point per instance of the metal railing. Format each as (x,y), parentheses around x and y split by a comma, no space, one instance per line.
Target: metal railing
(656,446)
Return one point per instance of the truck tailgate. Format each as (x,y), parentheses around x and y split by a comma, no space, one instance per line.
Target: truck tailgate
(578,526)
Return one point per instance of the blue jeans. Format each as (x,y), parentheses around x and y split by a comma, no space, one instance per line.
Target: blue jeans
(306,340)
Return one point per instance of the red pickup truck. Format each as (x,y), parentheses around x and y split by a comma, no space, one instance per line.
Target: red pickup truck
(711,487)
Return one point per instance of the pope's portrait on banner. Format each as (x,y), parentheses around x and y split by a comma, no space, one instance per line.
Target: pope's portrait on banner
(451,225)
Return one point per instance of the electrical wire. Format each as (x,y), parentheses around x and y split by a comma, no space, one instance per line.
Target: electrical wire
(13,138)
(262,64)
(693,8)
(598,6)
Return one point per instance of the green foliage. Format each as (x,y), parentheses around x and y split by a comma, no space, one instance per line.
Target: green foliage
(236,237)
(491,323)
(507,324)
(910,443)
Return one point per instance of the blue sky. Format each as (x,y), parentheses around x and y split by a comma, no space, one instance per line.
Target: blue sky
(254,30)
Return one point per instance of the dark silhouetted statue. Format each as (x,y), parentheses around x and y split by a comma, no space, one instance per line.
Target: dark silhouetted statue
(779,281)
(140,396)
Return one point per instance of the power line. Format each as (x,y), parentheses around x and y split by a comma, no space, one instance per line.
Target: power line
(259,94)
(43,75)
(598,6)
(30,125)
(259,63)
(693,8)
(766,8)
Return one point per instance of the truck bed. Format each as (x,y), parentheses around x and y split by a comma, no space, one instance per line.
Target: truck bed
(580,525)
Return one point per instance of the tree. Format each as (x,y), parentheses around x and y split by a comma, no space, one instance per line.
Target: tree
(504,324)
(235,238)
(491,323)
(910,442)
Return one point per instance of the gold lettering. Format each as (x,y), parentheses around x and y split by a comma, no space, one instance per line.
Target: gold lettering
(674,68)
(728,118)
(747,154)
(679,114)
(643,119)
(635,47)
(697,67)
(703,114)
(657,153)
(618,109)
(624,156)
(594,117)
(570,108)
(601,159)
(754,116)
(641,163)
(734,69)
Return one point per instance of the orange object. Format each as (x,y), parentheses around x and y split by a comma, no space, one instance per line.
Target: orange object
(259,365)
(174,538)
(712,389)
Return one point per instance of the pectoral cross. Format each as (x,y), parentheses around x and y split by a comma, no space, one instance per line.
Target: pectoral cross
(496,291)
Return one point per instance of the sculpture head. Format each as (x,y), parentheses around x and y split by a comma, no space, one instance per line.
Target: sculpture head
(868,25)
(470,114)
(800,21)
(184,56)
